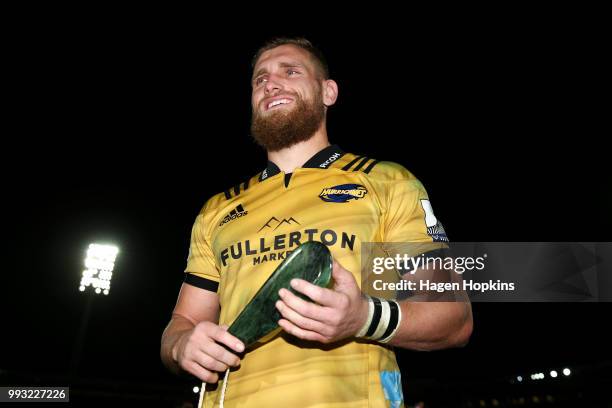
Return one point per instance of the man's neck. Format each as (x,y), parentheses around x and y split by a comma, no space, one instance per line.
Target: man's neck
(295,156)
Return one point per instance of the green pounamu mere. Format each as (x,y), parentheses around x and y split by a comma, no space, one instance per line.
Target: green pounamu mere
(311,261)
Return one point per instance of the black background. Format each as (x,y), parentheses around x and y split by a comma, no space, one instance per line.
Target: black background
(119,130)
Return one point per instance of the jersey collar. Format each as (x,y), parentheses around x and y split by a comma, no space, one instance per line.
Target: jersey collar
(323,159)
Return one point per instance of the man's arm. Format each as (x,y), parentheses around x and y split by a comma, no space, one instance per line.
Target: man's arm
(191,340)
(428,323)
(194,305)
(433,325)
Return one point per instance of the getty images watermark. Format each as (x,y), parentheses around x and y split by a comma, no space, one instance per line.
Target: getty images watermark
(488,272)
(433,261)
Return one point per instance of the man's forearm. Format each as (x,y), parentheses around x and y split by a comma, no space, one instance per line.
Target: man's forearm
(433,325)
(176,328)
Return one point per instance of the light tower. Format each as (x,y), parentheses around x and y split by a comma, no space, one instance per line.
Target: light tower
(99,262)
(98,272)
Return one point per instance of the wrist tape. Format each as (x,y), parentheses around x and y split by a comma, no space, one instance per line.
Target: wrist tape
(384,317)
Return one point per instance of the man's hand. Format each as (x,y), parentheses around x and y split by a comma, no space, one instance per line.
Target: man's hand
(337,314)
(197,352)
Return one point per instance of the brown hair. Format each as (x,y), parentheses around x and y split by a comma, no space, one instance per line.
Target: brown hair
(300,42)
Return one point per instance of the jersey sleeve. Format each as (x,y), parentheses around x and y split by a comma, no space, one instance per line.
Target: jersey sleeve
(408,215)
(201,270)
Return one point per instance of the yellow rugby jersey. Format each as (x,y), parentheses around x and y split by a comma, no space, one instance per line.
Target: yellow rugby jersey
(241,236)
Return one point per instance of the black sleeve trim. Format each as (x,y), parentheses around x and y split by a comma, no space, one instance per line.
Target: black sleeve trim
(348,166)
(201,283)
(360,165)
(370,166)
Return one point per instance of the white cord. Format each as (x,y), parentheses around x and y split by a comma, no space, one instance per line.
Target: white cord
(202,391)
(225,377)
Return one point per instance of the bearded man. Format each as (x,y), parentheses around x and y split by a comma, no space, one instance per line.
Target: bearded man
(336,351)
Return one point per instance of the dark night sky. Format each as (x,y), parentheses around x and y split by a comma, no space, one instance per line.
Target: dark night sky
(121,134)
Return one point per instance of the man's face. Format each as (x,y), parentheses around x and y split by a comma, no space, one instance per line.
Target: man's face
(287,98)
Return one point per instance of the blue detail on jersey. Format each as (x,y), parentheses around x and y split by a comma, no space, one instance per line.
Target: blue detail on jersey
(437,233)
(392,387)
(343,193)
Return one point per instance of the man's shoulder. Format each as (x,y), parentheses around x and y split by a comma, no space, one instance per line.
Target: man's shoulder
(220,200)
(382,170)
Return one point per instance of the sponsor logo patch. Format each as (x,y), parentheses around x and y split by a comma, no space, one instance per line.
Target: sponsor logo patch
(330,160)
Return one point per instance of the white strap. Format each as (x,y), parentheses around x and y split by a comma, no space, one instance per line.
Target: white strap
(202,391)
(225,378)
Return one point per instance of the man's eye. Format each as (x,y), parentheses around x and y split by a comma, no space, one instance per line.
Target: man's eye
(292,71)
(260,80)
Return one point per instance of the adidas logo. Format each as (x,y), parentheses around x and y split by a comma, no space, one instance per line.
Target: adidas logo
(235,213)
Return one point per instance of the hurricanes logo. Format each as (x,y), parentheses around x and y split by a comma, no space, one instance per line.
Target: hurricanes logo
(343,193)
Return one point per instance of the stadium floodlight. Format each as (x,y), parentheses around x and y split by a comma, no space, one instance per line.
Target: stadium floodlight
(196,390)
(553,374)
(519,378)
(567,372)
(99,265)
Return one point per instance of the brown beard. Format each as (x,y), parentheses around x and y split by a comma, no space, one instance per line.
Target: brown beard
(280,130)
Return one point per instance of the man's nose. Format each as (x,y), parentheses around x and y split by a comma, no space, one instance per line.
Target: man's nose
(272,85)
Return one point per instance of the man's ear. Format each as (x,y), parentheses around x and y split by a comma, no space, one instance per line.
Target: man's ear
(330,92)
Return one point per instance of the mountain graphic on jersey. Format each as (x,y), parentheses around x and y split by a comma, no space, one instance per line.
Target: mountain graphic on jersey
(274,223)
(237,212)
